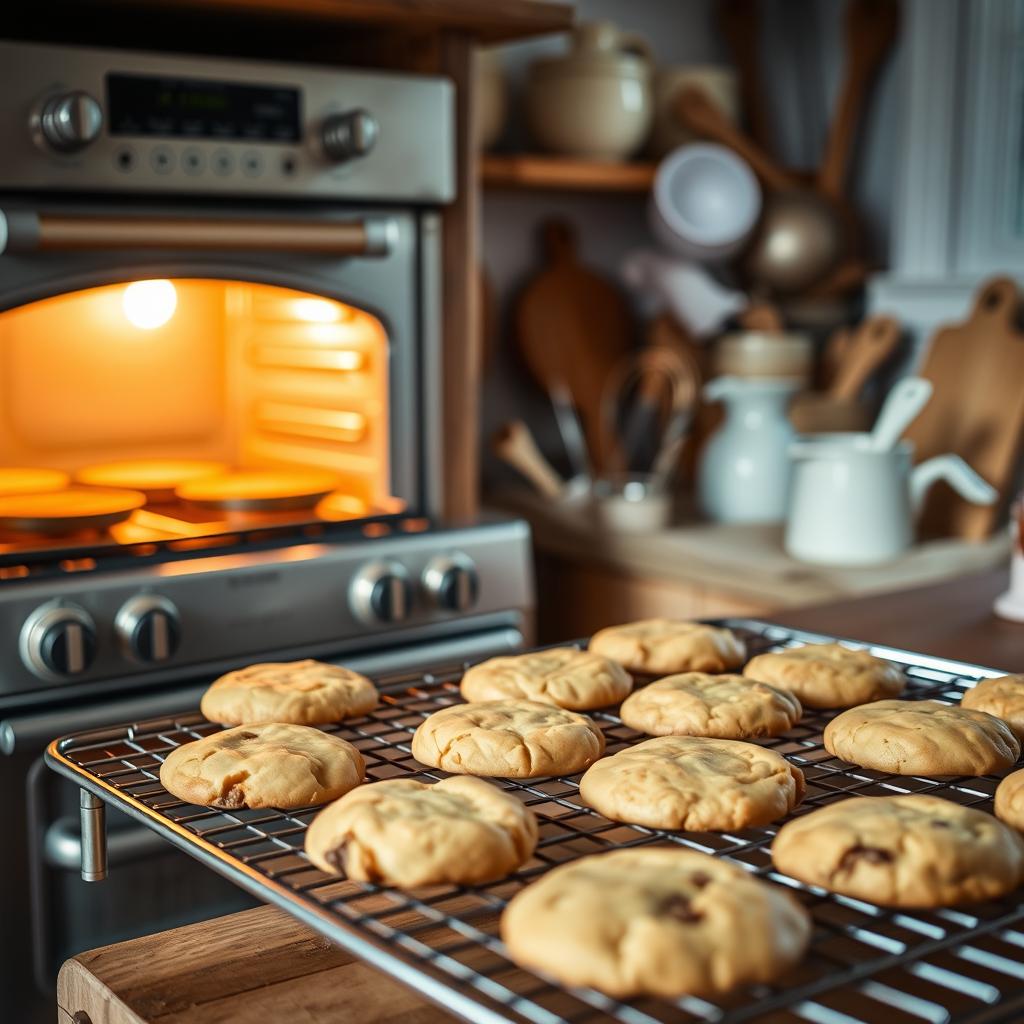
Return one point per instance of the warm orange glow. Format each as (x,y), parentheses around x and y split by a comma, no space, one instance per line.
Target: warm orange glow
(149,304)
(316,311)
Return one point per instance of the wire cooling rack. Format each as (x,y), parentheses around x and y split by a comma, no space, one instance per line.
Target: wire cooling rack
(865,964)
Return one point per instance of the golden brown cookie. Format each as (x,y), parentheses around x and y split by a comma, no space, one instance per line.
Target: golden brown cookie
(405,833)
(563,676)
(512,739)
(697,704)
(922,737)
(658,647)
(263,766)
(1002,697)
(299,692)
(902,851)
(828,675)
(694,784)
(1009,805)
(655,921)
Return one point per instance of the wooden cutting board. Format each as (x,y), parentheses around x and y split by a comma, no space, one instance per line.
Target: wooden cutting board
(572,326)
(977,410)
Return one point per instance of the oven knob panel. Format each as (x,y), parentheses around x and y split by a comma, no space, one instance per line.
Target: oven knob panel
(452,582)
(58,641)
(346,136)
(70,122)
(381,592)
(149,628)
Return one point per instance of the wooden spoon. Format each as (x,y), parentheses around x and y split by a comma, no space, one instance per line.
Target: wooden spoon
(514,444)
(871,344)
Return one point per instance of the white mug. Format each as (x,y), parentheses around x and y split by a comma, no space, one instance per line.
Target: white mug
(851,504)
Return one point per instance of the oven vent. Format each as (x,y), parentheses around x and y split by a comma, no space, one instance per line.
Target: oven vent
(335,425)
(281,357)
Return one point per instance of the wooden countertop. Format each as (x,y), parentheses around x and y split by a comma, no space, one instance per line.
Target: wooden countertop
(261,965)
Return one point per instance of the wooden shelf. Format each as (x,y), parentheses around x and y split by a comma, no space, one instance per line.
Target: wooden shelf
(566,174)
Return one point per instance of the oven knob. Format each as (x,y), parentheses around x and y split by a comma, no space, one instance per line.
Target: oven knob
(348,135)
(71,121)
(452,582)
(148,627)
(381,592)
(57,641)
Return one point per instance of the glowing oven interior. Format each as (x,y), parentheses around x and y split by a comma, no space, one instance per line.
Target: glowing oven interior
(269,404)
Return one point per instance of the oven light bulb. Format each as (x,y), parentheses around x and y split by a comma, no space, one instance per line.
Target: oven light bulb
(149,304)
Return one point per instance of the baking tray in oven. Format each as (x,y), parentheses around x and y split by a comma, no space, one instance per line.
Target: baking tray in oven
(865,964)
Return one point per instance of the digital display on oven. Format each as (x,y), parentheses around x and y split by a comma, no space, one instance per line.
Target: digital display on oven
(193,108)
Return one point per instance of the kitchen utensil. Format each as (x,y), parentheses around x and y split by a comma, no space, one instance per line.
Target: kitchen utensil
(571,431)
(260,490)
(818,412)
(717,82)
(514,444)
(739,24)
(704,203)
(860,353)
(901,407)
(596,100)
(697,301)
(837,348)
(1011,604)
(68,511)
(977,411)
(871,29)
(572,327)
(760,353)
(31,480)
(156,478)
(743,475)
(854,504)
(631,503)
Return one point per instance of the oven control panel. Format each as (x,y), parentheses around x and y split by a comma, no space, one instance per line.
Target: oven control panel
(225,610)
(88,119)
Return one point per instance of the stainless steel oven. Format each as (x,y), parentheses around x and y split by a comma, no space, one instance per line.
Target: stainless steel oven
(219,426)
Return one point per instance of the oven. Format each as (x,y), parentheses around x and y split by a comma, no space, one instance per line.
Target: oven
(220,415)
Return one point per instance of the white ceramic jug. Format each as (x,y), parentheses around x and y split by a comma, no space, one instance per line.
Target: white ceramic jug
(744,471)
(852,504)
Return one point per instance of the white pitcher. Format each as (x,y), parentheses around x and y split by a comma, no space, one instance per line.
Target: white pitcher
(855,505)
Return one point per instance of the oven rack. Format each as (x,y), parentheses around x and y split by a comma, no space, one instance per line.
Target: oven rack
(865,963)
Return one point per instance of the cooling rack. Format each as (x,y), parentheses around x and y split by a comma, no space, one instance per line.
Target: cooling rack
(866,964)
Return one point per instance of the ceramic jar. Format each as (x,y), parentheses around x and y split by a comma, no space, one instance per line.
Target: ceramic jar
(595,101)
(743,475)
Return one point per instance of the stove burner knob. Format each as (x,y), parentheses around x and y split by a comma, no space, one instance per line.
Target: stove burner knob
(149,628)
(452,582)
(346,136)
(57,641)
(381,592)
(71,121)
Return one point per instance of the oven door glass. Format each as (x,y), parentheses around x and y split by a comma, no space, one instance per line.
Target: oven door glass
(188,408)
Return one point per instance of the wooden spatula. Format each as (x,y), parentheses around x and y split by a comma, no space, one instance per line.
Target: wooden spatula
(869,345)
(572,327)
(977,410)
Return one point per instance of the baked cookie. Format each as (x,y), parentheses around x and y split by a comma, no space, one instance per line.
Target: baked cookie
(828,675)
(696,704)
(659,647)
(655,921)
(563,676)
(263,766)
(922,737)
(1009,806)
(1002,697)
(298,692)
(512,739)
(694,784)
(400,832)
(902,851)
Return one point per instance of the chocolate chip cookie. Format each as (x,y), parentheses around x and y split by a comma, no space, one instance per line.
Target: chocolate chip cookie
(902,851)
(828,675)
(922,737)
(659,647)
(513,739)
(697,704)
(655,921)
(405,833)
(1002,697)
(263,766)
(1009,805)
(297,692)
(693,783)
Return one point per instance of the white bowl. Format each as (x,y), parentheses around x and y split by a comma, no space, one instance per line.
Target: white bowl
(705,202)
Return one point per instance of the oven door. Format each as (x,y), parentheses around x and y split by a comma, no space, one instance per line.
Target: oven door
(282,336)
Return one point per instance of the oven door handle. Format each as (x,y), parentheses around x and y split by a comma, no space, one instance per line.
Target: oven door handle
(24,231)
